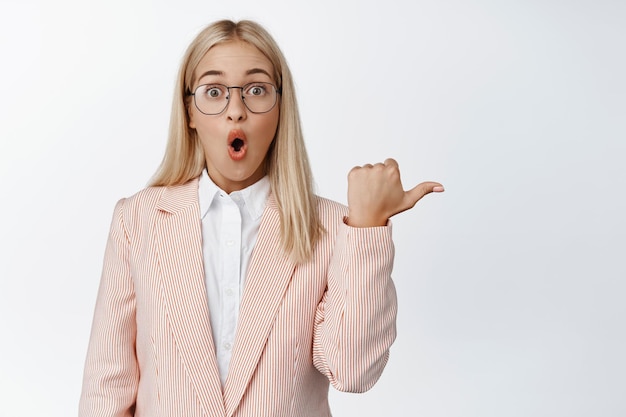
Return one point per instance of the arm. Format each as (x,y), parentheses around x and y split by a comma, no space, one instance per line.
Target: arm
(355,321)
(111,370)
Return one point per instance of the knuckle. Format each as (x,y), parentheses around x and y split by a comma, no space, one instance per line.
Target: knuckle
(354,172)
(393,172)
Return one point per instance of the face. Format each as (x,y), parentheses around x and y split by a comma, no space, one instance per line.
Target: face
(236,141)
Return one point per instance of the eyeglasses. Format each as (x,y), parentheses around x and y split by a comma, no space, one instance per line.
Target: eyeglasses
(212,99)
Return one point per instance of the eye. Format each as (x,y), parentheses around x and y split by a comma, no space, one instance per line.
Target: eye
(259,89)
(213,91)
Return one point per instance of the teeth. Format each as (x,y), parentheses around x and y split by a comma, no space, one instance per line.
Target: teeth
(237,144)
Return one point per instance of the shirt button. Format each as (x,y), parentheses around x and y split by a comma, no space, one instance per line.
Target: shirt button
(229,292)
(230,242)
(227,346)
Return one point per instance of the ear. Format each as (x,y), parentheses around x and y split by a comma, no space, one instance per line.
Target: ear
(192,124)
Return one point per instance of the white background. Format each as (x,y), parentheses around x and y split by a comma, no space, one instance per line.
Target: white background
(511,283)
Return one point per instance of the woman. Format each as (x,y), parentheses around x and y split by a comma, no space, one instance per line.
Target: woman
(228,287)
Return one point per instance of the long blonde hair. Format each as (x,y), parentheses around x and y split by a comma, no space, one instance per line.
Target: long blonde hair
(287,163)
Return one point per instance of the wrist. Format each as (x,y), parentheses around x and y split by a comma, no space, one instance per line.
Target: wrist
(365,221)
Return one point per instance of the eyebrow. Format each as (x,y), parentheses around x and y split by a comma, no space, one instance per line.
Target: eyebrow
(258,71)
(211,72)
(251,71)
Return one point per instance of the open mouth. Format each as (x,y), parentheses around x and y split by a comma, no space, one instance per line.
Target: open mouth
(237,144)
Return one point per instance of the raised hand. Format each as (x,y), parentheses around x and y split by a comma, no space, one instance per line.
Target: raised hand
(375,194)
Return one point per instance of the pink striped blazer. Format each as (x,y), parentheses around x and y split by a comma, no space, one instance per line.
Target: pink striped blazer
(301,326)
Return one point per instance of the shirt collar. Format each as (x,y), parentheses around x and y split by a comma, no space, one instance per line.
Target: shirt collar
(255,196)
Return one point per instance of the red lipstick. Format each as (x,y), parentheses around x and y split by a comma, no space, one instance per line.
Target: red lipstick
(237,144)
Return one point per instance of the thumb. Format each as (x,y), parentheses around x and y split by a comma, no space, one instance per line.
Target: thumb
(416,193)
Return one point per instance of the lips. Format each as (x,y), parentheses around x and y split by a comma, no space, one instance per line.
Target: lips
(237,144)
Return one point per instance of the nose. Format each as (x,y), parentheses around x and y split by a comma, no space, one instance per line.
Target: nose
(236,109)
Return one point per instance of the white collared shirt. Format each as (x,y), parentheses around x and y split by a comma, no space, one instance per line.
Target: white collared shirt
(230,226)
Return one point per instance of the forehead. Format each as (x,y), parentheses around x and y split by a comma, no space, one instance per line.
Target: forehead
(232,59)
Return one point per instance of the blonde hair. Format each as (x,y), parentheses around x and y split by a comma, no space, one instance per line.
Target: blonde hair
(286,163)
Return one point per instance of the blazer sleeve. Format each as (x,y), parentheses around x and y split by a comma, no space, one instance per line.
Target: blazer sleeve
(111,374)
(355,322)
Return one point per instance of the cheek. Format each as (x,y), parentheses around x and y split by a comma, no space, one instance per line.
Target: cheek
(203,125)
(270,125)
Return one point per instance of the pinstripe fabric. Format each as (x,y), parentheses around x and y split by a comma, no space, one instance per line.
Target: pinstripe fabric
(301,327)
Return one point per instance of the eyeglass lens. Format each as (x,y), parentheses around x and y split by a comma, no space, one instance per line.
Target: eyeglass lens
(257,97)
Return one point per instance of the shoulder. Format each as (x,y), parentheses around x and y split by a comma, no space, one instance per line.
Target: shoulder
(142,201)
(327,206)
(143,205)
(331,213)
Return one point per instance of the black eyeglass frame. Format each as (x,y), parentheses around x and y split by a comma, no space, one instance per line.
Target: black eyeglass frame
(243,99)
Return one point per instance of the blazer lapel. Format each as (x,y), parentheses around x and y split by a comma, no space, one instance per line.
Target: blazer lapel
(178,236)
(269,274)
